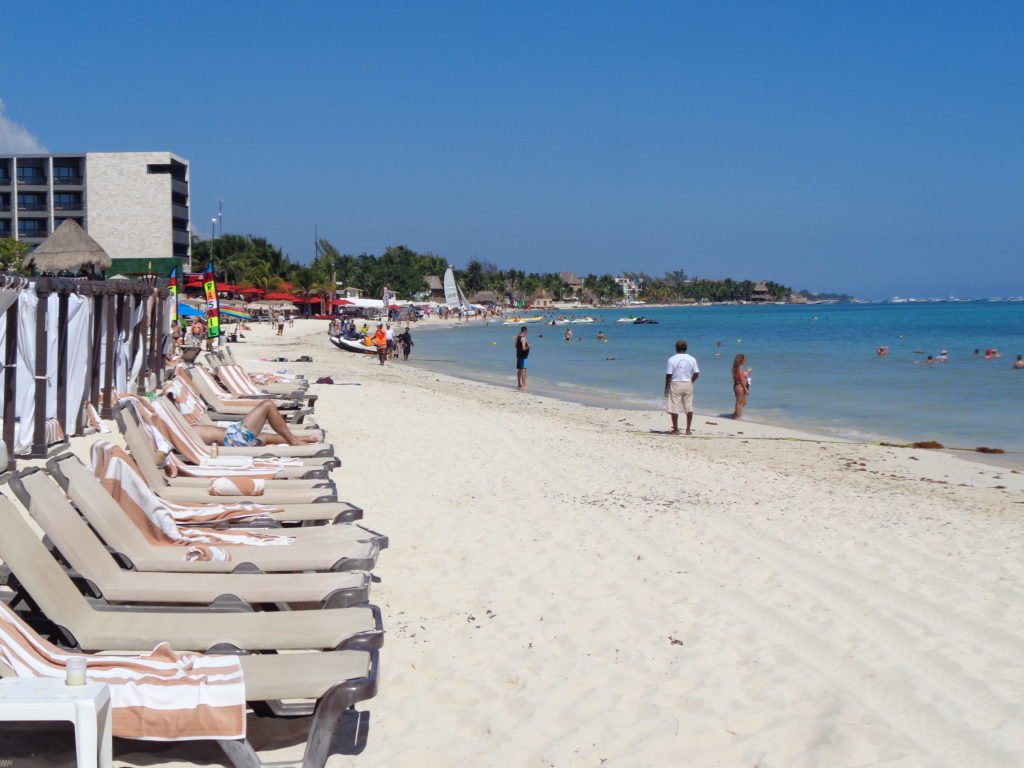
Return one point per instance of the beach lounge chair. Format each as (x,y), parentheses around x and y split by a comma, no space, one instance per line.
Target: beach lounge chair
(115,474)
(148,546)
(176,428)
(237,383)
(326,685)
(206,482)
(226,356)
(196,411)
(233,507)
(94,567)
(186,490)
(323,452)
(223,403)
(48,594)
(157,416)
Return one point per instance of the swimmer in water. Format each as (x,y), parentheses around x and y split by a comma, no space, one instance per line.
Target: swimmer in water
(881,351)
(1019,362)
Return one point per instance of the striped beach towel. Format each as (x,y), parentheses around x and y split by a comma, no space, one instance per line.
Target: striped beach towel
(93,420)
(161,696)
(226,398)
(237,380)
(105,453)
(156,522)
(188,400)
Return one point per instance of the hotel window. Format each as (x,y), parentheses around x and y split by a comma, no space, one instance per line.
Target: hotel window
(31,201)
(67,200)
(30,173)
(32,227)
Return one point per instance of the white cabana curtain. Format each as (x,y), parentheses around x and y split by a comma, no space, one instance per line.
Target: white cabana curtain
(53,332)
(26,380)
(8,297)
(137,314)
(79,332)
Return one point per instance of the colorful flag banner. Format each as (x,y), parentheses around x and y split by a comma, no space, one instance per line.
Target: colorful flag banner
(173,287)
(212,303)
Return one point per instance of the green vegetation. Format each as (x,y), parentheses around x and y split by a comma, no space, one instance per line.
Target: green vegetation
(12,253)
(678,286)
(252,261)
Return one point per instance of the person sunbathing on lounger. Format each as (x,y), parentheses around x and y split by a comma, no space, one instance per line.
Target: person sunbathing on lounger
(248,431)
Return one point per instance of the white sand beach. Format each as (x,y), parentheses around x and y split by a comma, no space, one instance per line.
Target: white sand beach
(566,587)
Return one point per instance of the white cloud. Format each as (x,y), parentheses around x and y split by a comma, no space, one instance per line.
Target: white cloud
(14,138)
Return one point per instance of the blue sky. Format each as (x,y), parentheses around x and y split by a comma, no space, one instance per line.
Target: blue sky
(875,148)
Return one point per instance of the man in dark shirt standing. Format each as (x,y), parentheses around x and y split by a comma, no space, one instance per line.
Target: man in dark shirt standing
(522,352)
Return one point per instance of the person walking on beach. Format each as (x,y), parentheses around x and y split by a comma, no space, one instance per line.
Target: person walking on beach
(740,384)
(522,352)
(392,345)
(405,339)
(380,341)
(280,323)
(680,376)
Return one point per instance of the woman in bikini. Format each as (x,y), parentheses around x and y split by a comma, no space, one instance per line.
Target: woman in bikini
(740,384)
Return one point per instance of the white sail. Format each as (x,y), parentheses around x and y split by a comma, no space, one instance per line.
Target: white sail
(462,299)
(451,291)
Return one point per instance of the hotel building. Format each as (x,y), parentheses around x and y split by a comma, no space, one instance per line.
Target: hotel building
(134,204)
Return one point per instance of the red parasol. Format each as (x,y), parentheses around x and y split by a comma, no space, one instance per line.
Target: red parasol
(280,297)
(342,303)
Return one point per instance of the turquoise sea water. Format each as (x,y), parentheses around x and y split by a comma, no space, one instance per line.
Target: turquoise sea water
(814,366)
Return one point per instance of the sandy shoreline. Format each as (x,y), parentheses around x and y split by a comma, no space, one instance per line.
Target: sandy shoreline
(566,587)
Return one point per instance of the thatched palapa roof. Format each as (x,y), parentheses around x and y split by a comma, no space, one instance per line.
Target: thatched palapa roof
(68,249)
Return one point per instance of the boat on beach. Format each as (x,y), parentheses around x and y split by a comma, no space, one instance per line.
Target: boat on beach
(636,321)
(522,320)
(359,345)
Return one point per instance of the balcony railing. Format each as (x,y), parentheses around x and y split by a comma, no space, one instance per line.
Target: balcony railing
(32,206)
(31,179)
(73,180)
(74,205)
(5,207)
(5,180)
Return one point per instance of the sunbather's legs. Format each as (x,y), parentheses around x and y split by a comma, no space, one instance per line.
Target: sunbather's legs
(266,413)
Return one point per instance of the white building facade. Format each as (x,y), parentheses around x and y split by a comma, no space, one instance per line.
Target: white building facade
(134,204)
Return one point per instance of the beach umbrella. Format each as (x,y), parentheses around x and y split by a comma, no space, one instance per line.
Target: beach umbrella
(234,313)
(184,310)
(341,303)
(69,249)
(250,290)
(280,297)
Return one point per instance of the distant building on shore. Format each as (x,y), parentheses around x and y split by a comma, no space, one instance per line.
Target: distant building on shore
(629,288)
(134,204)
(436,288)
(573,280)
(761,293)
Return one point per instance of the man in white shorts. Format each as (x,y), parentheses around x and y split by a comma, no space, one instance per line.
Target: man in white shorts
(680,377)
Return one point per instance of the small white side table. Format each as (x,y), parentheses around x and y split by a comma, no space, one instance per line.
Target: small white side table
(48,699)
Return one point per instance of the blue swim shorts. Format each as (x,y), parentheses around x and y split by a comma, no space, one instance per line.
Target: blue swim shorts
(239,436)
(521,364)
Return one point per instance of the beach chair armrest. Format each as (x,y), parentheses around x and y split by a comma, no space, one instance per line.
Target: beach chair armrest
(371,639)
(222,604)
